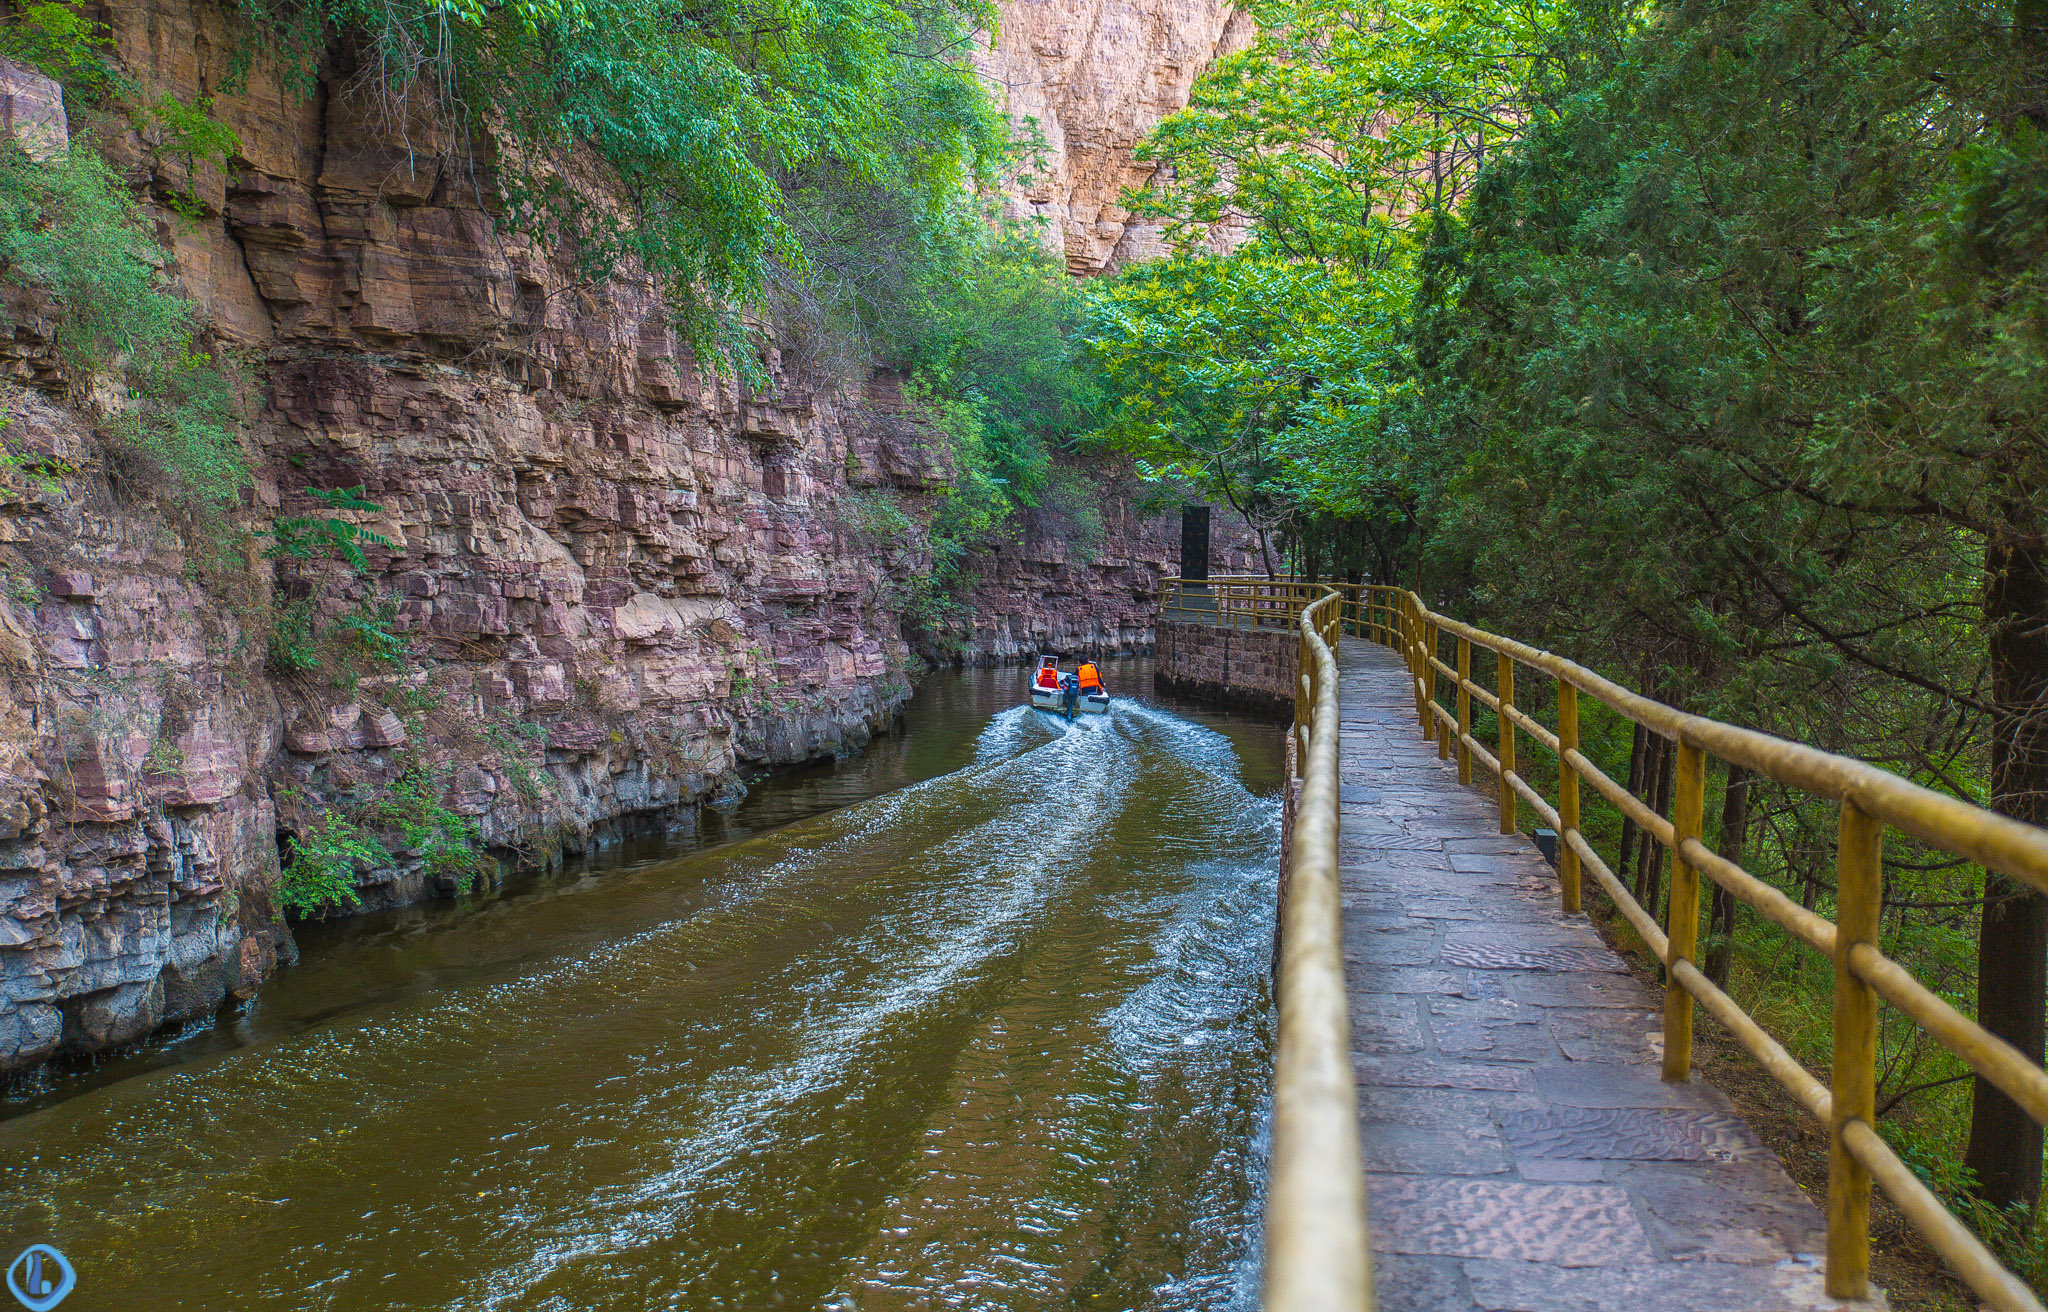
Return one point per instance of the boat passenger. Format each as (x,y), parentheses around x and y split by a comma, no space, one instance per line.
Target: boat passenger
(1091,681)
(1048,678)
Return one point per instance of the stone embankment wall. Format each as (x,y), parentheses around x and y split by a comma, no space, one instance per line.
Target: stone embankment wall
(624,581)
(1254,669)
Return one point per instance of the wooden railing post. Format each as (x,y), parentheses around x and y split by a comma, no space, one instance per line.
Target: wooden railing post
(1859,874)
(1412,658)
(1464,709)
(1433,637)
(1567,792)
(1682,923)
(1504,666)
(1425,673)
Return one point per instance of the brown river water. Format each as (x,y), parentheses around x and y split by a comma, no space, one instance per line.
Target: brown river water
(978,1019)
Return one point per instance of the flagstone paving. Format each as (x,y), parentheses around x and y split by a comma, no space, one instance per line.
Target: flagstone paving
(1523,1153)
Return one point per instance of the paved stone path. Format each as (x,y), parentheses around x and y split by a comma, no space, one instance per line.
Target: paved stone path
(1523,1153)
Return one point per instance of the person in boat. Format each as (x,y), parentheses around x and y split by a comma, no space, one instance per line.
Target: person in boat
(1049,677)
(1090,680)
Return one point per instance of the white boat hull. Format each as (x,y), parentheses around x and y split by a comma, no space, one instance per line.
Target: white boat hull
(1048,700)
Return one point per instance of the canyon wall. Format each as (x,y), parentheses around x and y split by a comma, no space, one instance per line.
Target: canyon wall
(1094,76)
(619,581)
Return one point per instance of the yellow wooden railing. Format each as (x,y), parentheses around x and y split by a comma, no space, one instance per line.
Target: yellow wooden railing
(1317,1255)
(1871,799)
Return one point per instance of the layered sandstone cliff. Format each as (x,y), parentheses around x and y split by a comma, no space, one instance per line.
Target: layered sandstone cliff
(1094,76)
(622,580)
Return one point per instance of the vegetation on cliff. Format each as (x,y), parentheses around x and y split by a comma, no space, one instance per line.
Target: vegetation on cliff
(1701,342)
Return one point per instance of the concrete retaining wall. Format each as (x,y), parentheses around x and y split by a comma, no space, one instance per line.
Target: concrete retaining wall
(1251,669)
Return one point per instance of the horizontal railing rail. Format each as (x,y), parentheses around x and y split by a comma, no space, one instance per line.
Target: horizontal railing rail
(1318,1258)
(1871,800)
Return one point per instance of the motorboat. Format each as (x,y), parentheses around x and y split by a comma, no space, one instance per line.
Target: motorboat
(1046,693)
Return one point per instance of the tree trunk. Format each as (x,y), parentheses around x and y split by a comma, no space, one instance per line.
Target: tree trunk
(2012,942)
(1635,788)
(1653,851)
(1721,914)
(1646,842)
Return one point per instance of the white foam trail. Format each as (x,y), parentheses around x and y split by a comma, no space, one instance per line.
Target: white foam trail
(1004,893)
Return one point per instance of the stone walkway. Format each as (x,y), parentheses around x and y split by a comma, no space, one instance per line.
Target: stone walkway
(1523,1153)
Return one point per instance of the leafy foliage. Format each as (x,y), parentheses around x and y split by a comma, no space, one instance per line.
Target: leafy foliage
(317,537)
(59,41)
(326,855)
(70,229)
(447,843)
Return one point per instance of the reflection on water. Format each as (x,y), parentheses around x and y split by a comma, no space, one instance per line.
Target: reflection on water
(975,1020)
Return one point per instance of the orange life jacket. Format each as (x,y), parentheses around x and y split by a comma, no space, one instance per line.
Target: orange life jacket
(1048,677)
(1089,678)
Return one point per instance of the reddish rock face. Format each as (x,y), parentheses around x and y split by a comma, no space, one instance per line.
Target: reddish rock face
(32,111)
(1092,77)
(618,578)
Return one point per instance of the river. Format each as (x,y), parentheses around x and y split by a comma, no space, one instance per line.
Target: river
(977,1019)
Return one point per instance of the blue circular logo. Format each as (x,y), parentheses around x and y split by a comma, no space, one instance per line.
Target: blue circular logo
(40,1278)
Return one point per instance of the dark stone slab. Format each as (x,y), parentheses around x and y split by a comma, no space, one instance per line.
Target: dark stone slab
(1427,1150)
(1399,979)
(1583,988)
(1398,842)
(1506,1220)
(1533,928)
(1419,1284)
(1612,1084)
(1497,845)
(1449,908)
(1560,1170)
(1493,863)
(1454,1111)
(1630,1134)
(1686,1286)
(1371,950)
(1465,1036)
(1745,1211)
(1608,1035)
(1481,955)
(1384,1024)
(1420,1073)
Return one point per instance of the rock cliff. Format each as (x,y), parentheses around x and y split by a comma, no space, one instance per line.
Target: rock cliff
(1095,76)
(621,581)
